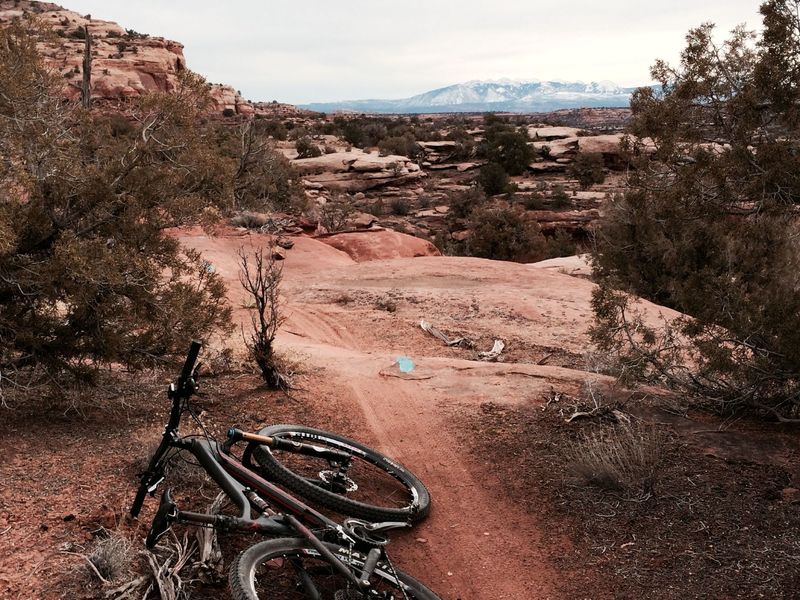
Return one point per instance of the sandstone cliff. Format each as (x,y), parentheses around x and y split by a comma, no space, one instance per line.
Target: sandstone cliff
(125,63)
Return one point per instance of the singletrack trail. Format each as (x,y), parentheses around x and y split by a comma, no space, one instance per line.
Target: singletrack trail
(476,545)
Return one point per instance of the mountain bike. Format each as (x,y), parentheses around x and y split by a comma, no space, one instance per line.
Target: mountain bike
(312,556)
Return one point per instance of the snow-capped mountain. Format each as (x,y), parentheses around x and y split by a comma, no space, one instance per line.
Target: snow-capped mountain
(501,95)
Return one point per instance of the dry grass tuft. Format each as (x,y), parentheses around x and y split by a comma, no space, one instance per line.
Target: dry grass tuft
(624,459)
(111,557)
(386,303)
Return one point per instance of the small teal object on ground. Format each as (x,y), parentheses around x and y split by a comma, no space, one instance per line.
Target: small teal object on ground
(405,363)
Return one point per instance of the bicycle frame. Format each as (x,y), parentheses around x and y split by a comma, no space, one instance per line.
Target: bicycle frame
(249,491)
(244,487)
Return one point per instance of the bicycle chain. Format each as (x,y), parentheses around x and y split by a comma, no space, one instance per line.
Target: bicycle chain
(400,584)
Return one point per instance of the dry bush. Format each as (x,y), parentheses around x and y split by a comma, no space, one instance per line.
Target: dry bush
(111,557)
(386,303)
(623,459)
(220,361)
(260,277)
(250,220)
(344,299)
(334,215)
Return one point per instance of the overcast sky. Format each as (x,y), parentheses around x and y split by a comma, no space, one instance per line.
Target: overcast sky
(321,50)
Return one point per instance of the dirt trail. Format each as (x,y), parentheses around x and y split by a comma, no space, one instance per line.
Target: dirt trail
(476,545)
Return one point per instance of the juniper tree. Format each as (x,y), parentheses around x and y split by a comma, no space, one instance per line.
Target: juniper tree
(88,276)
(709,225)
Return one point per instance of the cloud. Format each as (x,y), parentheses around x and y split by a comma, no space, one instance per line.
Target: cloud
(319,50)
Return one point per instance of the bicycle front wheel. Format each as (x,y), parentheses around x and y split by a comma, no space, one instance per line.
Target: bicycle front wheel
(370,486)
(290,569)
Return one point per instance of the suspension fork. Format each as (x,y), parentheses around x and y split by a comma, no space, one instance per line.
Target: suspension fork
(153,476)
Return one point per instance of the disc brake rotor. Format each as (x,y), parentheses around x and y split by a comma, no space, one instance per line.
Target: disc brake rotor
(336,479)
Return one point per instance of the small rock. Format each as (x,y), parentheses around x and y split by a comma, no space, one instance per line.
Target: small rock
(278,254)
(285,243)
(422,540)
(359,196)
(363,220)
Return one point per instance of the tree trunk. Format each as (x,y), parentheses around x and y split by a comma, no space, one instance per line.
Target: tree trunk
(86,87)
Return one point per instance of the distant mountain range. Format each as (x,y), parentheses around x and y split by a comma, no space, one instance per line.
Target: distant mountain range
(503,95)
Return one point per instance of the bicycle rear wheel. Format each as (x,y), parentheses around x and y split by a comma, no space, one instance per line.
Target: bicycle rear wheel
(372,487)
(290,569)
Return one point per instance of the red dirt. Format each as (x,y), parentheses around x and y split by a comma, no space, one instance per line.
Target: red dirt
(347,323)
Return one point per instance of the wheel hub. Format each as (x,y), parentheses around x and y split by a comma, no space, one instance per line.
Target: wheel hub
(338,482)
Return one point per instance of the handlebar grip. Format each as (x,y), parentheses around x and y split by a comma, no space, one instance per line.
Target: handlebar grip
(191,358)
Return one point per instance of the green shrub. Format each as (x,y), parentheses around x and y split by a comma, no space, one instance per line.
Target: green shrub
(400,206)
(273,128)
(306,148)
(89,276)
(511,150)
(505,234)
(560,198)
(561,243)
(587,169)
(533,202)
(493,179)
(402,145)
(462,203)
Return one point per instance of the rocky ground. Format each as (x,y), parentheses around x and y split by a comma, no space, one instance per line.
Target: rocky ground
(414,196)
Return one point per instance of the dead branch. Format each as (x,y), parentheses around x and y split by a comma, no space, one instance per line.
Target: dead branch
(127,590)
(209,563)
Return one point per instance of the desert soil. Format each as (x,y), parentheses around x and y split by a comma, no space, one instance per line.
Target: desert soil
(499,528)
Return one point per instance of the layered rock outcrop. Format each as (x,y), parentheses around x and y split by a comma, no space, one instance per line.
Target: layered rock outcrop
(125,64)
(356,171)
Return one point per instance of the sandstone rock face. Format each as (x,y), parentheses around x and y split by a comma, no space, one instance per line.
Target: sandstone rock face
(437,152)
(226,98)
(577,266)
(357,171)
(602,144)
(125,64)
(558,148)
(552,133)
(562,151)
(380,244)
(547,166)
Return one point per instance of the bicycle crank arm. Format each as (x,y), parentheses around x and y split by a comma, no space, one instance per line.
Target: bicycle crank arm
(369,567)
